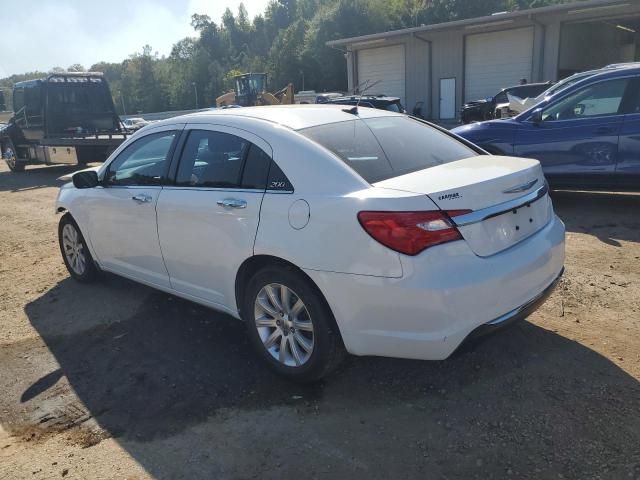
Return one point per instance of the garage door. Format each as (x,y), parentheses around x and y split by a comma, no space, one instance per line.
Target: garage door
(496,60)
(384,64)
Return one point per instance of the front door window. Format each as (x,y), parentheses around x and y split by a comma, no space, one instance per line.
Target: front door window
(600,99)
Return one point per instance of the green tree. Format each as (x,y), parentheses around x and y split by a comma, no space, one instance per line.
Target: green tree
(288,41)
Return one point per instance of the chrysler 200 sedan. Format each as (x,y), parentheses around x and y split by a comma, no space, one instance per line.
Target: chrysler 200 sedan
(325,228)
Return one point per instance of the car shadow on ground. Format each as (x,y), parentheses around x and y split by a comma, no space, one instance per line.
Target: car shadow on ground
(593,213)
(169,365)
(35,177)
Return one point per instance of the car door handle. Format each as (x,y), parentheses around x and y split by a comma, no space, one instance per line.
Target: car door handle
(232,203)
(603,130)
(142,198)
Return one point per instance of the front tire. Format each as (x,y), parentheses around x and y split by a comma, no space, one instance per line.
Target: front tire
(75,253)
(11,157)
(290,324)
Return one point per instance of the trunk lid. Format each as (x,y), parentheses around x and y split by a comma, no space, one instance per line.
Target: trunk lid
(507,197)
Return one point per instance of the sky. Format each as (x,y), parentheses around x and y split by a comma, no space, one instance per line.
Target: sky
(42,34)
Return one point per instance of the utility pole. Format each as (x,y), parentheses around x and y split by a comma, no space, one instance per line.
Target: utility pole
(195,89)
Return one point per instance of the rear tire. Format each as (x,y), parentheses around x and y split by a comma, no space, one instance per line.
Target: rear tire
(75,253)
(290,324)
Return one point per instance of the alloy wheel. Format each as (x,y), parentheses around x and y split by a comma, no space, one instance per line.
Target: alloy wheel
(73,249)
(284,324)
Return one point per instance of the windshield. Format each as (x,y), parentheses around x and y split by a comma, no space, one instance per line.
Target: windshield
(562,84)
(386,147)
(395,107)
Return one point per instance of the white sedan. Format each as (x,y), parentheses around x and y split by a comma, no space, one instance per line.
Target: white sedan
(325,228)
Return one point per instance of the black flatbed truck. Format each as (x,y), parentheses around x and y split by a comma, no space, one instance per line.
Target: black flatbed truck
(65,118)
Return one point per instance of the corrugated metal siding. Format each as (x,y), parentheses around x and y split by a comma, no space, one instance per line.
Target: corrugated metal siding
(385,65)
(496,60)
(418,79)
(448,52)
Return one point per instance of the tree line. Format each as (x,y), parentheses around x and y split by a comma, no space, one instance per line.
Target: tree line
(287,41)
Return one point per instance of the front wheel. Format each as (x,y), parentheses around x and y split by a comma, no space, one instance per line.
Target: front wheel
(10,156)
(74,251)
(290,324)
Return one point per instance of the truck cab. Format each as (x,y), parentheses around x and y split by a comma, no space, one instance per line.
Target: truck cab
(63,118)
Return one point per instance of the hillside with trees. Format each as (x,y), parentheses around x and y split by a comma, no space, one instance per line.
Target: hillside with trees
(288,41)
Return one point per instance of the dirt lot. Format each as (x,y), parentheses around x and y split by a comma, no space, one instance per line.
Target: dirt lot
(116,380)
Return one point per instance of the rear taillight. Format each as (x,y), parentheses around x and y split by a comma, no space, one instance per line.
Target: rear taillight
(411,232)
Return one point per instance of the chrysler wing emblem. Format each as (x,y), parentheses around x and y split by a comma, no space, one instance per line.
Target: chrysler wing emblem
(521,188)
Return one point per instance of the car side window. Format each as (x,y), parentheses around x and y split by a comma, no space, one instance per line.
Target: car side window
(212,159)
(604,98)
(501,98)
(144,162)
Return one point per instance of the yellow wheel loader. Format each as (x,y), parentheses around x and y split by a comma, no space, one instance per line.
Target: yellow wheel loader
(251,91)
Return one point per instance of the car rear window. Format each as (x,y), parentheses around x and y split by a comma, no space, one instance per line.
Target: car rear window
(386,147)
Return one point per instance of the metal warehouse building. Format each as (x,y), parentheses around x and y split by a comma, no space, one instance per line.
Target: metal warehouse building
(444,65)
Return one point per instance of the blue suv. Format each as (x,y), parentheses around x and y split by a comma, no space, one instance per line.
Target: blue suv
(585,136)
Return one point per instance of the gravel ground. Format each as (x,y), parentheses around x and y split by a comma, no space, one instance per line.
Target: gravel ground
(116,380)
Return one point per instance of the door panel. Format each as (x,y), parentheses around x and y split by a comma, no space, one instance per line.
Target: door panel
(122,223)
(205,243)
(206,224)
(628,167)
(124,234)
(447,98)
(572,147)
(577,141)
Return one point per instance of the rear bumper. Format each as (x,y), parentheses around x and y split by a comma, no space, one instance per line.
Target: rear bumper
(445,294)
(514,316)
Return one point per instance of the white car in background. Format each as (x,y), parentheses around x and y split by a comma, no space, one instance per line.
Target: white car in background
(325,228)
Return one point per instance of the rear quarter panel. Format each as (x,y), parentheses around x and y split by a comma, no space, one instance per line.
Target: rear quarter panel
(333,240)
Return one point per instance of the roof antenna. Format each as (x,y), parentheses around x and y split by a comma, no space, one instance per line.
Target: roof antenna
(367,85)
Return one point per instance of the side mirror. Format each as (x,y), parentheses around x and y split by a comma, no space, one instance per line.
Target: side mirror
(85,179)
(536,116)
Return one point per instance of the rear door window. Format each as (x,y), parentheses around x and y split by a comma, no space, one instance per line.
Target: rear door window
(212,159)
(386,147)
(256,169)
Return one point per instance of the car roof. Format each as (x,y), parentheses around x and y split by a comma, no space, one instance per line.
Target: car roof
(606,73)
(537,84)
(295,117)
